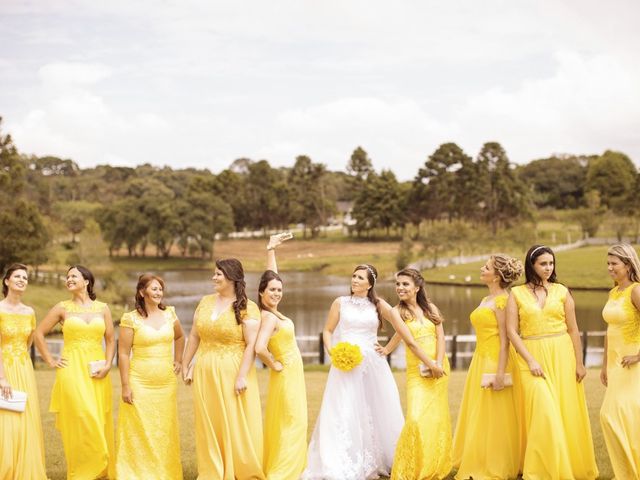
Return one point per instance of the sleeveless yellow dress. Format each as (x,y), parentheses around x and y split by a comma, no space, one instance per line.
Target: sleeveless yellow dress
(559,445)
(486,444)
(228,426)
(620,412)
(82,404)
(285,434)
(148,436)
(424,447)
(21,442)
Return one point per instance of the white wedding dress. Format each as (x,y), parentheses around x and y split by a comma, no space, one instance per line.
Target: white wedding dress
(361,417)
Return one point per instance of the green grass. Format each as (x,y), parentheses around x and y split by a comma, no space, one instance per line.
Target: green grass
(579,268)
(315,380)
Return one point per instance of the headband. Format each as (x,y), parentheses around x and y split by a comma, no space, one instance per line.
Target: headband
(535,250)
(372,273)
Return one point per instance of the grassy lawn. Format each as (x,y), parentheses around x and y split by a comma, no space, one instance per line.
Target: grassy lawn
(580,268)
(315,379)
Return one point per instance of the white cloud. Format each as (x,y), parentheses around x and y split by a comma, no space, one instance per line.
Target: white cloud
(66,73)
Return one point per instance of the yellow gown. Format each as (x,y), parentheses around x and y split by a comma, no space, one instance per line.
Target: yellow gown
(228,426)
(424,447)
(148,436)
(620,412)
(559,445)
(285,434)
(21,442)
(82,404)
(486,444)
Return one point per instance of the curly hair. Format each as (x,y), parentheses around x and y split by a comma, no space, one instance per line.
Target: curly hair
(508,268)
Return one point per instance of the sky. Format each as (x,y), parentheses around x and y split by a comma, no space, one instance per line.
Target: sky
(201,83)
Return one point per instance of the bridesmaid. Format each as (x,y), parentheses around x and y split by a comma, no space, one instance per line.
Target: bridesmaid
(480,433)
(148,436)
(285,435)
(424,447)
(228,418)
(541,324)
(21,442)
(620,413)
(82,402)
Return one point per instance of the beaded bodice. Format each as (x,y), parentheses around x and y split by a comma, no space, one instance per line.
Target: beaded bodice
(83,326)
(15,329)
(222,334)
(358,321)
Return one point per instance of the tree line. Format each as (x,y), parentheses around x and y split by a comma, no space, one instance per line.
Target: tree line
(43,198)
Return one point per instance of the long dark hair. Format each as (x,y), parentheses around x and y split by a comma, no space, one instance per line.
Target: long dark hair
(233,271)
(372,276)
(422,300)
(143,282)
(266,277)
(530,273)
(87,275)
(7,275)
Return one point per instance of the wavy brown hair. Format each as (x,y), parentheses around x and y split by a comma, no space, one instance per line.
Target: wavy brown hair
(233,271)
(7,275)
(372,276)
(144,281)
(427,307)
(88,276)
(266,277)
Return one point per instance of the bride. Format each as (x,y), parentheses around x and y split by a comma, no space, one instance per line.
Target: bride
(361,417)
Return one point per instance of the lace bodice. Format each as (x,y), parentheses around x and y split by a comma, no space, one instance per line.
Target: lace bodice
(83,326)
(485,323)
(358,321)
(621,314)
(15,329)
(536,320)
(148,341)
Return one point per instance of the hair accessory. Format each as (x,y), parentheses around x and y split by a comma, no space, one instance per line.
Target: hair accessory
(372,273)
(535,250)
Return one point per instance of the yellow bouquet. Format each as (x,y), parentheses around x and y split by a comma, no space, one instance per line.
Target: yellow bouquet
(345,356)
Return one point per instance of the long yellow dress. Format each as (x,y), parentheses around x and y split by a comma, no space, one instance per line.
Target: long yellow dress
(285,434)
(486,444)
(21,442)
(148,436)
(559,445)
(82,404)
(620,412)
(228,426)
(424,447)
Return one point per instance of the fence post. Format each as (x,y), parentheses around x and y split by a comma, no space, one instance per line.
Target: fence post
(320,349)
(32,353)
(454,352)
(585,338)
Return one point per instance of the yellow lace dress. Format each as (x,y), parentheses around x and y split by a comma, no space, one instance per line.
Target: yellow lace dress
(21,442)
(486,444)
(620,412)
(228,426)
(285,433)
(559,445)
(82,404)
(424,447)
(148,436)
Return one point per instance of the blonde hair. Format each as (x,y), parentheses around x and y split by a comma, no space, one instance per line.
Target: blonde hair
(627,255)
(508,268)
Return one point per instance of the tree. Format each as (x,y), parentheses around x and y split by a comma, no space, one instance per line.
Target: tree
(590,217)
(613,175)
(506,196)
(379,204)
(74,215)
(359,165)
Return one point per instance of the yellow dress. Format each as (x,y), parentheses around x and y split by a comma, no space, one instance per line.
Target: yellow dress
(148,436)
(486,444)
(82,404)
(21,442)
(285,434)
(620,413)
(424,447)
(228,426)
(559,445)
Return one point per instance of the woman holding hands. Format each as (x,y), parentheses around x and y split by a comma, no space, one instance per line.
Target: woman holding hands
(285,431)
(148,436)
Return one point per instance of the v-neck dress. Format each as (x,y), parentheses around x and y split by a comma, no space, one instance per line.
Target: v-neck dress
(148,436)
(83,404)
(228,426)
(558,434)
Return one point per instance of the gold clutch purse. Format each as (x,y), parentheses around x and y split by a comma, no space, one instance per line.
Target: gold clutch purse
(489,378)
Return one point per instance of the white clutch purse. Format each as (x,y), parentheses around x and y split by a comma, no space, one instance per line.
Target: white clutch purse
(426,371)
(17,402)
(96,366)
(489,378)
